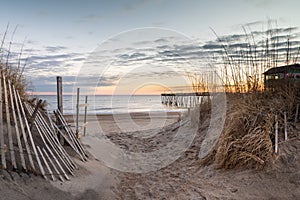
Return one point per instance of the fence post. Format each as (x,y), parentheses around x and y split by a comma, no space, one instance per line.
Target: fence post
(59,94)
(59,104)
(276,135)
(77,113)
(85,113)
(285,126)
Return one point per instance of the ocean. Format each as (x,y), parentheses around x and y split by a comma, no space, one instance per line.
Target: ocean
(107,104)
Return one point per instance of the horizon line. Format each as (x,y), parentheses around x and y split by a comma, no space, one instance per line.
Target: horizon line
(70,94)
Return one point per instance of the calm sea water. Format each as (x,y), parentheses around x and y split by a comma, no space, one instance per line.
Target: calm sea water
(106,104)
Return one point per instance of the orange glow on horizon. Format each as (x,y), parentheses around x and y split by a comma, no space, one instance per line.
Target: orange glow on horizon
(47,93)
(144,90)
(151,90)
(111,90)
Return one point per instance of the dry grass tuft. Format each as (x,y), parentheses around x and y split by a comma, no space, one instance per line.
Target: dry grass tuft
(248,135)
(12,66)
(247,139)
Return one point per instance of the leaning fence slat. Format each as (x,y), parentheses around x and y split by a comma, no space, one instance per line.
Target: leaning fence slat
(44,138)
(42,171)
(23,130)
(53,145)
(3,160)
(16,126)
(39,161)
(51,123)
(72,136)
(33,115)
(64,124)
(51,153)
(54,140)
(55,149)
(28,131)
(66,138)
(46,163)
(9,131)
(69,142)
(65,153)
(53,165)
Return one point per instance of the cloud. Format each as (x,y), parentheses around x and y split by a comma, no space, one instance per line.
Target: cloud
(281,30)
(51,65)
(132,56)
(161,40)
(255,23)
(139,43)
(47,64)
(55,49)
(48,83)
(212,46)
(52,57)
(162,52)
(80,59)
(32,42)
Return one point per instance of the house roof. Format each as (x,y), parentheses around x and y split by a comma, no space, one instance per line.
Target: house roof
(282,69)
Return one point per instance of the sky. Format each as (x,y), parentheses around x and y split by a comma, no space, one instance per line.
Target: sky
(130,46)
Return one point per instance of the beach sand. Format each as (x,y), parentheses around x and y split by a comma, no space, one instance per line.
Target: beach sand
(95,180)
(187,179)
(183,179)
(118,123)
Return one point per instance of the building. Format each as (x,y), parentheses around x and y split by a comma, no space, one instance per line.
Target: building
(280,77)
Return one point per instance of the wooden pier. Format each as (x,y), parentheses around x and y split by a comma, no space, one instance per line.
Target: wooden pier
(184,100)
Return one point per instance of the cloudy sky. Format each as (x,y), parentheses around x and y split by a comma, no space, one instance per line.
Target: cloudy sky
(136,43)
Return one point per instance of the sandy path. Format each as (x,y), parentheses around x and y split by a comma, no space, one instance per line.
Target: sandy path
(95,180)
(187,179)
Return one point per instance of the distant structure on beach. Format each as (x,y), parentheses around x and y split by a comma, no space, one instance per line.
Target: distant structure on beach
(278,77)
(183,100)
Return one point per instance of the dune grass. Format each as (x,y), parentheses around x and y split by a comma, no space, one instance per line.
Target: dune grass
(247,139)
(12,65)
